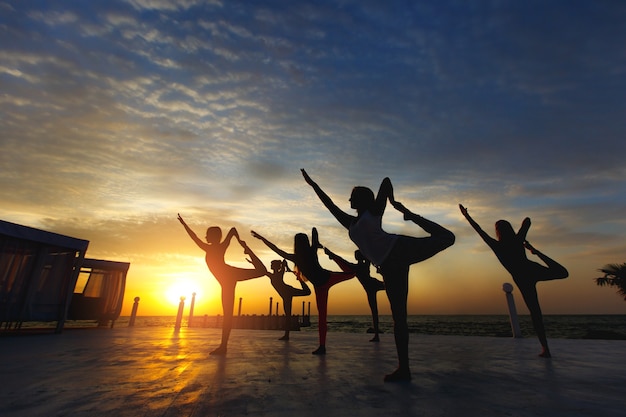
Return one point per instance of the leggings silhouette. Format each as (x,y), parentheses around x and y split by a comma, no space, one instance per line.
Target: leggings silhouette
(510,249)
(308,267)
(225,274)
(286,292)
(370,285)
(393,254)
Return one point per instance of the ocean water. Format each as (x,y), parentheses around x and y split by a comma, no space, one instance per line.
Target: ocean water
(557,326)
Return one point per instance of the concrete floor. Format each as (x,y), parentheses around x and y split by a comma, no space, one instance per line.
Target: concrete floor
(156,372)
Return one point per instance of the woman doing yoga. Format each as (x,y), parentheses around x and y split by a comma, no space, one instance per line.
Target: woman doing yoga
(371,285)
(392,254)
(286,292)
(509,248)
(307,264)
(226,275)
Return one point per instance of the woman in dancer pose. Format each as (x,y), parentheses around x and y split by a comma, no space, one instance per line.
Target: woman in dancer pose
(371,285)
(393,254)
(509,248)
(226,275)
(308,266)
(286,291)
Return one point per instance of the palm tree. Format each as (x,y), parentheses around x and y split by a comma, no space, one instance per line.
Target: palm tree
(614,276)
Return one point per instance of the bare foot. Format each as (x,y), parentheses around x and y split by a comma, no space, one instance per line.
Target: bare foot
(407,214)
(219,351)
(545,354)
(375,339)
(399,375)
(285,337)
(319,351)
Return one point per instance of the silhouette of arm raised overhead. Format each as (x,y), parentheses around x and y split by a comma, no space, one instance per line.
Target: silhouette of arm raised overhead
(488,239)
(344,218)
(385,192)
(202,245)
(273,247)
(523,230)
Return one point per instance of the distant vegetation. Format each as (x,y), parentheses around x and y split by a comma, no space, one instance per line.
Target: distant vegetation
(614,276)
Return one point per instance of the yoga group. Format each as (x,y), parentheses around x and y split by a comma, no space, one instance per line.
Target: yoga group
(391,254)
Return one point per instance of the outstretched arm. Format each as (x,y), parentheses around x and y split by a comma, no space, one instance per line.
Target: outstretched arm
(344,218)
(488,239)
(202,245)
(273,247)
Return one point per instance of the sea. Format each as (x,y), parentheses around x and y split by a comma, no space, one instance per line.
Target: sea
(557,326)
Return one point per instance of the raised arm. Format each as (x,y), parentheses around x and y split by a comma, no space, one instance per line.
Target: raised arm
(315,239)
(231,233)
(344,218)
(523,230)
(273,247)
(488,239)
(202,245)
(385,192)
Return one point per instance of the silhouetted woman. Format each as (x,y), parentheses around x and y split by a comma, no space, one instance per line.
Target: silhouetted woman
(286,292)
(307,264)
(392,254)
(509,248)
(226,275)
(370,285)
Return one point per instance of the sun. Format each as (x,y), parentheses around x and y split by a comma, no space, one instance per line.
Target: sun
(181,288)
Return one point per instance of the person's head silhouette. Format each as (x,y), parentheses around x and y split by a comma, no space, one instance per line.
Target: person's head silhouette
(213,235)
(504,230)
(362,198)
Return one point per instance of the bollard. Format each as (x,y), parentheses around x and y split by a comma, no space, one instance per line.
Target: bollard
(508,289)
(193,301)
(133,314)
(179,316)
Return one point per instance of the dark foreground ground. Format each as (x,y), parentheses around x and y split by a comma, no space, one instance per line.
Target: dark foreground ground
(156,372)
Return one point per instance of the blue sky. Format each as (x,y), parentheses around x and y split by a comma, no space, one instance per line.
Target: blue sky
(116,115)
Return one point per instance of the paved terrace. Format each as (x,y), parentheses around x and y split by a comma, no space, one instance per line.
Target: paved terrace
(156,372)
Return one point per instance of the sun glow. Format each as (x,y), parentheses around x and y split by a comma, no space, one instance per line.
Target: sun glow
(181,288)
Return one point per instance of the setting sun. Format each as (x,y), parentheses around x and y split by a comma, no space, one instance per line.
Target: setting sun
(181,288)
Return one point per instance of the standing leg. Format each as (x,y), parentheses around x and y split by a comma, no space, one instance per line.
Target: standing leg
(228,303)
(529,293)
(287,307)
(321,297)
(371,299)
(397,286)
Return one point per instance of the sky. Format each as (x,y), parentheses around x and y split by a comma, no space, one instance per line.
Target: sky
(117,115)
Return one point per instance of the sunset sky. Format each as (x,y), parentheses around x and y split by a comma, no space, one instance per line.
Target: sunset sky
(117,115)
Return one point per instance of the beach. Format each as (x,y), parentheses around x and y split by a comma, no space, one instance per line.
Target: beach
(129,371)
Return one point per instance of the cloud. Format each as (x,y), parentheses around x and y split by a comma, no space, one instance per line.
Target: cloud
(120,114)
